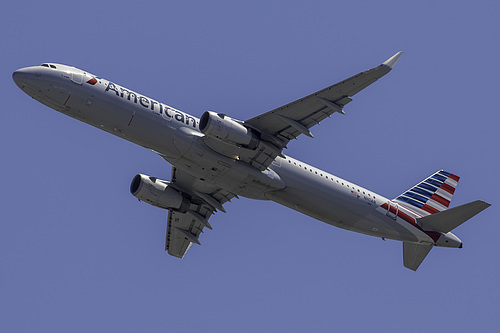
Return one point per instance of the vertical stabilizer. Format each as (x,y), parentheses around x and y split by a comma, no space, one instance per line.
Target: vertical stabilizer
(432,195)
(414,254)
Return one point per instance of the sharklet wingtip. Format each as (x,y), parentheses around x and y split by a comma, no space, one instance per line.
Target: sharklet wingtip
(391,62)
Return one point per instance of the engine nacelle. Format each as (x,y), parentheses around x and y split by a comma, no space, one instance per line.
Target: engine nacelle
(219,126)
(158,193)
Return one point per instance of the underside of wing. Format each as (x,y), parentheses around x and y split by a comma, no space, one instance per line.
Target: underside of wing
(289,121)
(184,228)
(182,231)
(258,141)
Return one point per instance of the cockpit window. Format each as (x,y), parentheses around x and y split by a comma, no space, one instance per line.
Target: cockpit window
(49,65)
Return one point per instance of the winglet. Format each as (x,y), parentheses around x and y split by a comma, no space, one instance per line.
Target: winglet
(393,60)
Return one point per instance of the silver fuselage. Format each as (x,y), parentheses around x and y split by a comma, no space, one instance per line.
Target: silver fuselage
(175,136)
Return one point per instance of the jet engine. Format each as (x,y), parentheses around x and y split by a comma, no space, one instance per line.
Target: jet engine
(219,126)
(158,193)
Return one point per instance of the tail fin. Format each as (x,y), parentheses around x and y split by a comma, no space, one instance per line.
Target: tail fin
(449,219)
(431,199)
(444,222)
(432,195)
(414,254)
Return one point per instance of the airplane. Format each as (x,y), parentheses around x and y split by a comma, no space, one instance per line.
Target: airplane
(216,158)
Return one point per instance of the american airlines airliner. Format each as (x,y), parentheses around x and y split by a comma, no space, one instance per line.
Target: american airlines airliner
(216,158)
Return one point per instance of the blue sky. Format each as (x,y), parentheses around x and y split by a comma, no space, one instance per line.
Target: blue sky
(80,254)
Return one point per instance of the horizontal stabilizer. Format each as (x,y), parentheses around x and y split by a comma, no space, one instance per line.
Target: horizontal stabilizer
(414,254)
(449,219)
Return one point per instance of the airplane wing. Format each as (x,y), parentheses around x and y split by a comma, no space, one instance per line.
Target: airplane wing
(285,123)
(184,229)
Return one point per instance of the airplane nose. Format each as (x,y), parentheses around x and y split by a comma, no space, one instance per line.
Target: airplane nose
(23,76)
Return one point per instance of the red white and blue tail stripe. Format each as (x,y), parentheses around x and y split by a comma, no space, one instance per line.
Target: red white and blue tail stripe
(432,195)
